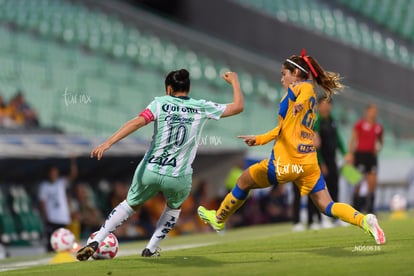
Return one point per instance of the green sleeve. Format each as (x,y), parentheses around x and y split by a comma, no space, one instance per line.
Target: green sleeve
(317,128)
(317,125)
(341,144)
(319,156)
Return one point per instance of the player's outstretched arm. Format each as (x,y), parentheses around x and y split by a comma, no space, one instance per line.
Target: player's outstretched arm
(237,105)
(258,140)
(124,131)
(250,140)
(263,138)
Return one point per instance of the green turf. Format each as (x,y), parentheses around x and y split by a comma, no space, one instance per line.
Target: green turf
(265,250)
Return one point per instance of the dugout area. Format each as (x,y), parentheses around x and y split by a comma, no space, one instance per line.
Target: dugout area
(25,158)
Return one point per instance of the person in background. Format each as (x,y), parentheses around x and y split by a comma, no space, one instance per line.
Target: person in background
(234,174)
(328,141)
(30,117)
(4,116)
(275,205)
(296,208)
(53,201)
(15,118)
(365,143)
(89,215)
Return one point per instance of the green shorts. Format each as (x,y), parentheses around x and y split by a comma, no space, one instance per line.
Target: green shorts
(146,184)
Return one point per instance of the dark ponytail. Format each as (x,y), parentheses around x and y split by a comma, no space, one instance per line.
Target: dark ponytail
(179,80)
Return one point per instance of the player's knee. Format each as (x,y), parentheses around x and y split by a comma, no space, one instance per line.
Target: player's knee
(126,204)
(245,181)
(328,209)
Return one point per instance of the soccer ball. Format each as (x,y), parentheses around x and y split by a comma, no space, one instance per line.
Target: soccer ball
(398,203)
(62,239)
(107,249)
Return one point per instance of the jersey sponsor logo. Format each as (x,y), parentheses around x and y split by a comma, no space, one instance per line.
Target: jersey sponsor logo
(176,108)
(306,135)
(163,160)
(306,148)
(175,118)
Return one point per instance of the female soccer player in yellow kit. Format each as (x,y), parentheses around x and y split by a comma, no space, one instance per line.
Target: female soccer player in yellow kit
(293,158)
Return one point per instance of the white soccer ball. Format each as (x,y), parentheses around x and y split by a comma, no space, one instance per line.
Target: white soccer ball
(398,203)
(62,239)
(107,249)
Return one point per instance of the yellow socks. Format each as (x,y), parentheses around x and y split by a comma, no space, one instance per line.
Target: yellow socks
(231,203)
(347,213)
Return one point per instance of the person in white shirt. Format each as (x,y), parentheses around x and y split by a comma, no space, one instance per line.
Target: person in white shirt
(53,201)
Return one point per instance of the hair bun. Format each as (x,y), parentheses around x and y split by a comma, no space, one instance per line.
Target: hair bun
(183,75)
(179,80)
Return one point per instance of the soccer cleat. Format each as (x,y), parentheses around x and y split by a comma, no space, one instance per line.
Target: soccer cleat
(371,226)
(314,226)
(85,252)
(209,216)
(147,253)
(298,227)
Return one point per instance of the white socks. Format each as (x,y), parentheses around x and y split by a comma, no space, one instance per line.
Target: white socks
(123,211)
(166,222)
(118,216)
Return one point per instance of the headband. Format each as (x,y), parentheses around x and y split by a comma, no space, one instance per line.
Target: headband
(297,65)
(306,58)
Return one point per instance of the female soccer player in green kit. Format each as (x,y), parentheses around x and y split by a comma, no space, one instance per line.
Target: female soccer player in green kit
(166,166)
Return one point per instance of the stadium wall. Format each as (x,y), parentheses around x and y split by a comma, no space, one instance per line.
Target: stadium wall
(24,160)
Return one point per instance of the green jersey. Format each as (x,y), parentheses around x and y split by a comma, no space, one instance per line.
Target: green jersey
(178,122)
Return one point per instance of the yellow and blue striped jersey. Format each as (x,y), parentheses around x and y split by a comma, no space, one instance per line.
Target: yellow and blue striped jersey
(294,134)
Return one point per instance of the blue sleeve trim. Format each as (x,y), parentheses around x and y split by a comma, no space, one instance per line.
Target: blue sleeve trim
(284,104)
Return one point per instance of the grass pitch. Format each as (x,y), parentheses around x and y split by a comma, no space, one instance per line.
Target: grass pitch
(263,250)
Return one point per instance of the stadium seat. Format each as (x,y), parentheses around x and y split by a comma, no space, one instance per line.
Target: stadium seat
(76,25)
(317,15)
(394,15)
(8,233)
(123,68)
(28,223)
(369,7)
